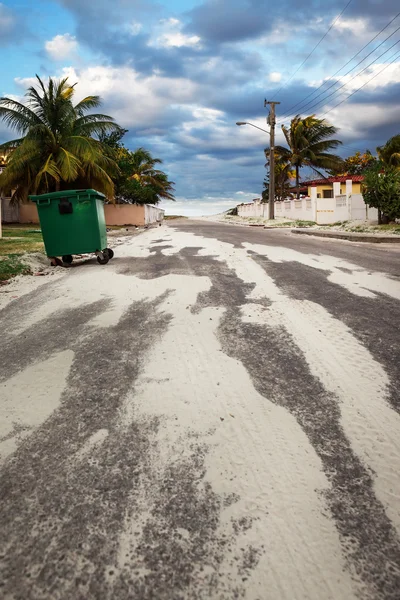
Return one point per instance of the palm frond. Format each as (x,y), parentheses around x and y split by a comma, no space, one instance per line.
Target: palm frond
(16,115)
(104,183)
(90,125)
(49,168)
(86,104)
(68,165)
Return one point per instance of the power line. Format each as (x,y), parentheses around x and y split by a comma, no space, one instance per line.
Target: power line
(348,72)
(323,101)
(314,49)
(396,56)
(288,112)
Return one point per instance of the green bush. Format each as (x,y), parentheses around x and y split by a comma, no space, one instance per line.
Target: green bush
(381,190)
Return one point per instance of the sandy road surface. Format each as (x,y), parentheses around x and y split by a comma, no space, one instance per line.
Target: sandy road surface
(212,415)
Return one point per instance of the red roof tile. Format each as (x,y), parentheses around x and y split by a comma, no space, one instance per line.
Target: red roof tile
(338,179)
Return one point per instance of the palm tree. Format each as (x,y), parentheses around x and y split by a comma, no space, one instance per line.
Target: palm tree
(309,142)
(142,165)
(389,154)
(56,149)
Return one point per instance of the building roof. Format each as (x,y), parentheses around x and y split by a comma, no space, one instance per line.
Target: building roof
(337,179)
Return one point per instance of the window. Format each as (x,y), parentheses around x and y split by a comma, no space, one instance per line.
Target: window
(327,193)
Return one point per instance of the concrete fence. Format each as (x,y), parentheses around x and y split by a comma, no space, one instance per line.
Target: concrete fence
(115,214)
(324,211)
(255,209)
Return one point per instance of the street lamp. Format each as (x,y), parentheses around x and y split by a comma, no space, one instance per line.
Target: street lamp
(252,125)
(271,200)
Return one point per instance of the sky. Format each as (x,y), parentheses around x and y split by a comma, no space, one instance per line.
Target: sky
(179,74)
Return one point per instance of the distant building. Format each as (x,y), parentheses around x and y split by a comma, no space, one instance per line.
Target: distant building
(325,186)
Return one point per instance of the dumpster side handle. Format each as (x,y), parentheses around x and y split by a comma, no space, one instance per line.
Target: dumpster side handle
(43,201)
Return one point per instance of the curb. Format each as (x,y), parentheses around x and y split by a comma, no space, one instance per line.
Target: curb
(351,237)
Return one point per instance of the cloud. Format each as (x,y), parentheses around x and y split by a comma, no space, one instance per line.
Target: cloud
(135,28)
(169,34)
(61,47)
(275,77)
(219,20)
(137,101)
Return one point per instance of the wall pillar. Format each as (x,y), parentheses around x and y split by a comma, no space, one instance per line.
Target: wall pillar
(349,191)
(314,203)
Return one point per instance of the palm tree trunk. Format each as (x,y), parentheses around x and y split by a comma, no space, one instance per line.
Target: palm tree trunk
(297,181)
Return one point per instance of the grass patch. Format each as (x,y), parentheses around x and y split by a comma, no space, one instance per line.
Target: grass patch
(18,240)
(337,224)
(11,266)
(15,242)
(358,229)
(389,228)
(170,217)
(19,246)
(305,223)
(24,233)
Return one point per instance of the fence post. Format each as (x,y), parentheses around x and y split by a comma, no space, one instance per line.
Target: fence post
(336,189)
(314,204)
(349,191)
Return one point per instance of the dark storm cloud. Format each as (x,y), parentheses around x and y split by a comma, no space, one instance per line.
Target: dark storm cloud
(373,135)
(227,21)
(222,21)
(388,95)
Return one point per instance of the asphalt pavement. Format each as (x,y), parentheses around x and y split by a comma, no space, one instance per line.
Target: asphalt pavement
(214,414)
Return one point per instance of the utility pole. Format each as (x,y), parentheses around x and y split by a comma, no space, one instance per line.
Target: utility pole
(271,121)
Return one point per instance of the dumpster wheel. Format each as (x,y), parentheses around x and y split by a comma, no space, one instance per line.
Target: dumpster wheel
(103,257)
(67,259)
(110,253)
(56,262)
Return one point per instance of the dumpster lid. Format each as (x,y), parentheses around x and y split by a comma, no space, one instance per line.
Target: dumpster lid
(68,194)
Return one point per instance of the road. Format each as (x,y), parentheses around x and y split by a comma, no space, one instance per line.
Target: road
(212,415)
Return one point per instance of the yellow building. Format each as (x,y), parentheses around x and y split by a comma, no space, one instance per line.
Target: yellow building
(325,186)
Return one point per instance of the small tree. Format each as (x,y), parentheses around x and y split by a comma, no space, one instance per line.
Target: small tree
(356,164)
(283,174)
(381,190)
(138,179)
(389,154)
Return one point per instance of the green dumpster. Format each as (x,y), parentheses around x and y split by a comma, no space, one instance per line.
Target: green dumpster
(73,222)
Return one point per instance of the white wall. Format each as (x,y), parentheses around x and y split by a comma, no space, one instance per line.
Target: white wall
(9,212)
(255,209)
(302,210)
(361,211)
(153,214)
(324,211)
